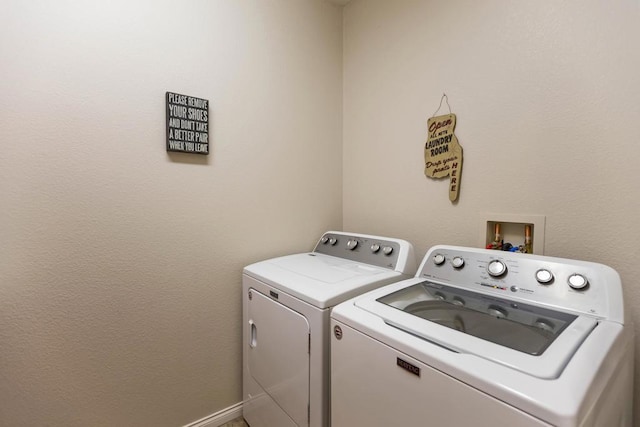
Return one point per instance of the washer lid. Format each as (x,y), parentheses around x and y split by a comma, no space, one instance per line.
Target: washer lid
(321,280)
(531,339)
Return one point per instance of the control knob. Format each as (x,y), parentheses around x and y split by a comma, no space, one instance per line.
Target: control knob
(375,248)
(496,268)
(387,250)
(438,259)
(578,281)
(351,244)
(457,262)
(324,240)
(544,276)
(333,241)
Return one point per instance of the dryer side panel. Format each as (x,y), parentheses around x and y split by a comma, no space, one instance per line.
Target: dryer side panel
(375,385)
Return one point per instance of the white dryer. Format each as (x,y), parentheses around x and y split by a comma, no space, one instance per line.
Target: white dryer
(286,307)
(485,338)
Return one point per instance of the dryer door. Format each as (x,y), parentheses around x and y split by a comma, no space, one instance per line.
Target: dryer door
(279,354)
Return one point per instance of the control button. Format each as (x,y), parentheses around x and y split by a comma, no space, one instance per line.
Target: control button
(578,281)
(375,248)
(496,268)
(457,262)
(351,244)
(387,250)
(324,240)
(544,276)
(333,241)
(498,312)
(440,296)
(438,259)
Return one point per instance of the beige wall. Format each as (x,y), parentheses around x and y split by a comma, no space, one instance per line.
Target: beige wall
(120,264)
(547,97)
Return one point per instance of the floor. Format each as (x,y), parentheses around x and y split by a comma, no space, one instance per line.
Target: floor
(238,422)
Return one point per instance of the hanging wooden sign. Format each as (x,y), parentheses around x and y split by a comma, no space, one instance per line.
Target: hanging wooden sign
(443,153)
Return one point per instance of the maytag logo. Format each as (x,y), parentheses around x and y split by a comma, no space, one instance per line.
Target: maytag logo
(408,366)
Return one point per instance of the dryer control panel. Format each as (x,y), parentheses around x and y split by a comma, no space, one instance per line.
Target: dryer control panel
(385,252)
(579,286)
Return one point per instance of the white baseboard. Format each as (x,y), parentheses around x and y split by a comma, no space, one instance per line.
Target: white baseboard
(220,417)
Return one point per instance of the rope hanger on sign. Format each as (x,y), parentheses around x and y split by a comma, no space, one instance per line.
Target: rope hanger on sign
(443,97)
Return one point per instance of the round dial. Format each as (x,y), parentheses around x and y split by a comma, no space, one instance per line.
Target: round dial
(496,268)
(324,240)
(387,250)
(438,259)
(375,248)
(578,281)
(351,244)
(457,262)
(333,241)
(544,276)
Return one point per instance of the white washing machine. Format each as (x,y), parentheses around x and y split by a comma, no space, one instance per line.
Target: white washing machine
(286,306)
(485,338)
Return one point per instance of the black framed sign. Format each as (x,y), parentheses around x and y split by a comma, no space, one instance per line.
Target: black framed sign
(187,124)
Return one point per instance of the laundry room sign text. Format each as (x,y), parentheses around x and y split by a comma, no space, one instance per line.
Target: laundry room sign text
(187,124)
(443,153)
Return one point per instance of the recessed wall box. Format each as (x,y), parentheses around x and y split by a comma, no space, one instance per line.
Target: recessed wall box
(512,229)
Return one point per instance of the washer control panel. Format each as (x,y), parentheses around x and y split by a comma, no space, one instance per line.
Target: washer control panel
(580,286)
(375,250)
